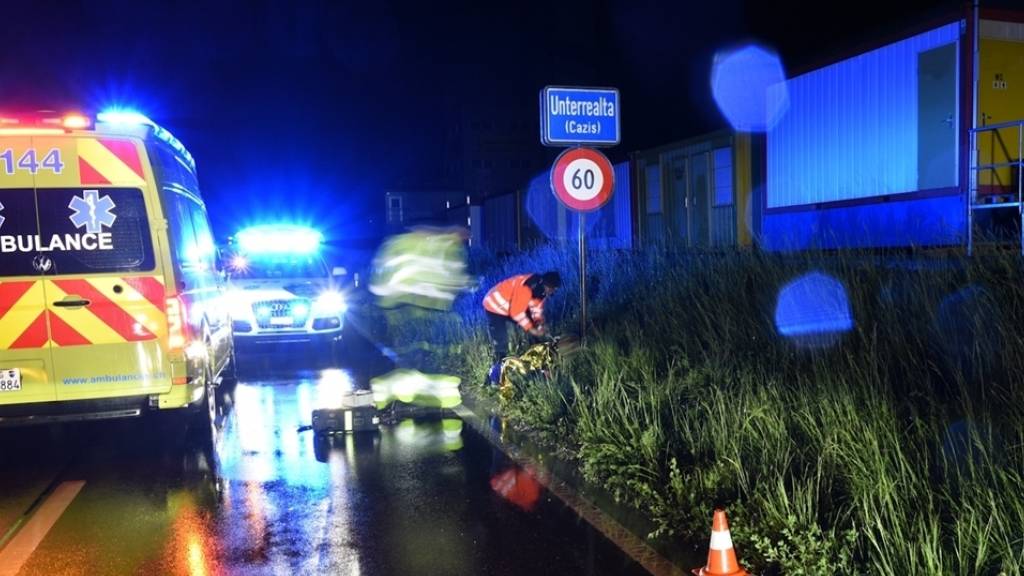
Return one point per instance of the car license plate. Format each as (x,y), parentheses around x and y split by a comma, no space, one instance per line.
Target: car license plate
(10,379)
(282,321)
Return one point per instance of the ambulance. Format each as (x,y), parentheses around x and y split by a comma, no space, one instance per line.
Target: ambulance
(110,299)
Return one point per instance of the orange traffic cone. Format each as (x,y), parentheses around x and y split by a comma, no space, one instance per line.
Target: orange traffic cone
(721,556)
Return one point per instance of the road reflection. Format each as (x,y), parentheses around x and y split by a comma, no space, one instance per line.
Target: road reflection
(518,486)
(311,503)
(268,496)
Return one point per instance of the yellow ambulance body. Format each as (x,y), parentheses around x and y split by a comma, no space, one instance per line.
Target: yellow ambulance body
(110,301)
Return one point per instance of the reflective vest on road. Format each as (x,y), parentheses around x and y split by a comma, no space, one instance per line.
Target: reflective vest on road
(513,298)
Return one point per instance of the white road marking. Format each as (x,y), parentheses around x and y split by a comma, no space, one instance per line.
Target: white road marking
(25,542)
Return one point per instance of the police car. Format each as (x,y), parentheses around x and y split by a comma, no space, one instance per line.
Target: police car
(282,292)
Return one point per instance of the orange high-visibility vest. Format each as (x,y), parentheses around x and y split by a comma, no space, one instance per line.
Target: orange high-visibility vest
(513,298)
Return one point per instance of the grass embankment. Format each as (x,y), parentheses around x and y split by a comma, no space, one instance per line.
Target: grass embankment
(896,449)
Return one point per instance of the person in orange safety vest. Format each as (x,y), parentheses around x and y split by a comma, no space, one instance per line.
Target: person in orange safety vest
(518,299)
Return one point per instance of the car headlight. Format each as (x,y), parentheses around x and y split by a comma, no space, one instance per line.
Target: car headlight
(330,302)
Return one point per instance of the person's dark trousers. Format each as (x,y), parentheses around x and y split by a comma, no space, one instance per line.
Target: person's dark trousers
(498,326)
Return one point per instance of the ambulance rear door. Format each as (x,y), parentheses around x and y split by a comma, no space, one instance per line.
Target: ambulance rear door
(26,374)
(104,283)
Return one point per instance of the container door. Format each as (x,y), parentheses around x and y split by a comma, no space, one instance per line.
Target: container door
(652,202)
(1001,99)
(699,200)
(936,118)
(680,208)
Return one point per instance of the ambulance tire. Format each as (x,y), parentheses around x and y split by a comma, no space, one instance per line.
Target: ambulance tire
(204,420)
(229,376)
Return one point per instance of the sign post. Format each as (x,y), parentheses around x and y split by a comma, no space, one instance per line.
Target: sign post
(581,178)
(581,224)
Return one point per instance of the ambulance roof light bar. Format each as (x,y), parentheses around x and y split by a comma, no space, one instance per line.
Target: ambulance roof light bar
(45,122)
(119,116)
(128,118)
(76,122)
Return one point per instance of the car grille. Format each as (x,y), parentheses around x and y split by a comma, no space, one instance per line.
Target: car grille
(283,313)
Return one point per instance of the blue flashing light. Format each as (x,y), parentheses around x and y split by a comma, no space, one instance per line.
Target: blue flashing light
(124,116)
(813,310)
(239,263)
(128,118)
(279,239)
(749,86)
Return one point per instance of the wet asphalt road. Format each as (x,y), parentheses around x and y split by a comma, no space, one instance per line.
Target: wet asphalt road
(423,496)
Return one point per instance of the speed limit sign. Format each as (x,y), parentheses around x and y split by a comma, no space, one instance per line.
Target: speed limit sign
(582,179)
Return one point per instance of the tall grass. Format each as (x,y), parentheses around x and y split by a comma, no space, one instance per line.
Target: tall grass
(897,448)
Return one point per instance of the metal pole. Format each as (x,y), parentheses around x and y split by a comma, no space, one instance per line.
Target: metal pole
(975,63)
(975,86)
(583,278)
(971,180)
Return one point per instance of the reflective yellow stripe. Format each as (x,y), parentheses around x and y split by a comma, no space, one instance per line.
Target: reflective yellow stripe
(106,163)
(142,310)
(83,321)
(21,315)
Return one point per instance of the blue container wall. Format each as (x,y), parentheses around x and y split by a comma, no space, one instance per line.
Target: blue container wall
(851,133)
(934,221)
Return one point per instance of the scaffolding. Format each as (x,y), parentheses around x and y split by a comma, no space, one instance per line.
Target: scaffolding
(1000,194)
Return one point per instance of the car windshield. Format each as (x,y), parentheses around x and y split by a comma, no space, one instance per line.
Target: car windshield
(277,267)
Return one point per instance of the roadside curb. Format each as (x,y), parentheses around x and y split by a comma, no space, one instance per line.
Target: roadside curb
(634,546)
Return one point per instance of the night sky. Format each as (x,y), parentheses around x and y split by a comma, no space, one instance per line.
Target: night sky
(308,109)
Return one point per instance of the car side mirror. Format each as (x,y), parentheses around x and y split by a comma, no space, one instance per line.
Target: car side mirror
(338,271)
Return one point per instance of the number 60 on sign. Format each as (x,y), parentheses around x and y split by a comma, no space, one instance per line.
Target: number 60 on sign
(582,179)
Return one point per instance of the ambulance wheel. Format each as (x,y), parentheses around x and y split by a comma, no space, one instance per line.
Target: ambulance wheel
(229,376)
(204,421)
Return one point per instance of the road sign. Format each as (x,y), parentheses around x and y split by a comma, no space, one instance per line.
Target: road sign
(583,179)
(570,116)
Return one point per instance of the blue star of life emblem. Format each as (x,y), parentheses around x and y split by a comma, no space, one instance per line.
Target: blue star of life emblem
(1,215)
(92,211)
